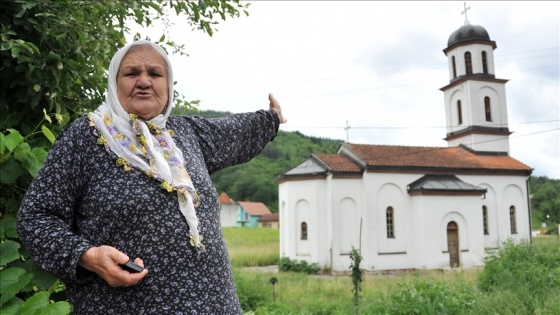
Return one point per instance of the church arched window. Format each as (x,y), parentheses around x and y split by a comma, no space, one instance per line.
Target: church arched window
(390,217)
(487,109)
(459,112)
(454,67)
(484,63)
(468,63)
(485,219)
(303,231)
(512,220)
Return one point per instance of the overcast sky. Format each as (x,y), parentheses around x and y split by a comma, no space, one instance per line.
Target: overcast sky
(377,66)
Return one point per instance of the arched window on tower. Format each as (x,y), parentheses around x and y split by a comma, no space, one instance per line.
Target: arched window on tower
(485,219)
(390,216)
(459,112)
(454,67)
(303,231)
(487,109)
(468,63)
(512,220)
(484,63)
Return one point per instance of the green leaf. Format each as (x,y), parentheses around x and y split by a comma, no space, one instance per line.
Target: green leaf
(33,304)
(10,171)
(15,52)
(8,224)
(58,308)
(12,140)
(12,280)
(9,250)
(48,133)
(31,159)
(12,307)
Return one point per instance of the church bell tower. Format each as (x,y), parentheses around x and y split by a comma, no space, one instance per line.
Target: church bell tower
(475,100)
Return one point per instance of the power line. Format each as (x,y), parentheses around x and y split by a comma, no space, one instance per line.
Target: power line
(410,127)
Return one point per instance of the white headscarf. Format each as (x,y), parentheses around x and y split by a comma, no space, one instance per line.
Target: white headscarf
(147,145)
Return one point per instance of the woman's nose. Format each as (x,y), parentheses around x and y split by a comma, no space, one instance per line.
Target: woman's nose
(143,81)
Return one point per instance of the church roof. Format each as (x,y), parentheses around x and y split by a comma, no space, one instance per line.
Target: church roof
(468,33)
(434,158)
(338,162)
(355,158)
(443,184)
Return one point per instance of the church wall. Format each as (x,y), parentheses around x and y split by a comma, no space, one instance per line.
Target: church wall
(491,240)
(383,191)
(452,112)
(503,192)
(482,142)
(347,213)
(513,195)
(438,212)
(302,201)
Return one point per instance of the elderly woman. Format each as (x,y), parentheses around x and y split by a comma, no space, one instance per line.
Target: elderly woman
(129,182)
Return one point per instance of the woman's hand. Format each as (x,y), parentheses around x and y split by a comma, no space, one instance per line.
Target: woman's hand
(104,261)
(274,105)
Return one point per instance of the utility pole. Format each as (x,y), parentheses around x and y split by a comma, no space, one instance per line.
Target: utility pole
(347,128)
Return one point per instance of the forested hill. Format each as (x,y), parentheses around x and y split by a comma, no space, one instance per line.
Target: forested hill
(254,180)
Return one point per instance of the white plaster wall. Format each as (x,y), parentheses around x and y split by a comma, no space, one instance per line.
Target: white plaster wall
(347,213)
(507,191)
(491,241)
(228,215)
(384,190)
(482,142)
(302,204)
(438,211)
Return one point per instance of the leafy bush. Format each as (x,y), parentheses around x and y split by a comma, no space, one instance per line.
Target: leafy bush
(252,292)
(529,274)
(423,297)
(286,264)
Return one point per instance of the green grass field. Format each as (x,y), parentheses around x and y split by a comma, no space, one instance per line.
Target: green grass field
(413,292)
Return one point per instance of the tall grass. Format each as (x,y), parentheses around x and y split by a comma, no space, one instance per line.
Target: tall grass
(250,247)
(519,279)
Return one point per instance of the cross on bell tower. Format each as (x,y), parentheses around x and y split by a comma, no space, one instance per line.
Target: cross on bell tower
(465,13)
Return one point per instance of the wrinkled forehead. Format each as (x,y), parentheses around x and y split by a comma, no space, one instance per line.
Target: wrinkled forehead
(144,47)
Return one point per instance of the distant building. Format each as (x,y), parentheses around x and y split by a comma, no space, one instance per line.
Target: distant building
(271,221)
(409,207)
(229,211)
(251,212)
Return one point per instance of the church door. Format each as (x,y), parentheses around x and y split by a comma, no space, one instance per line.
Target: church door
(453,244)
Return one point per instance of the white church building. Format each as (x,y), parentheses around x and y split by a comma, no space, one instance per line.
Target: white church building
(411,207)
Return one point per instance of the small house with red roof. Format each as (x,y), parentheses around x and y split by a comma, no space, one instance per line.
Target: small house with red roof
(251,212)
(415,207)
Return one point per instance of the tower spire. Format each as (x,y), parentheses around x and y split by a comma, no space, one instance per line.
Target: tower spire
(465,13)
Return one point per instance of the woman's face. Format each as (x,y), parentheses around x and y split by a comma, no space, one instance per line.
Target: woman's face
(142,85)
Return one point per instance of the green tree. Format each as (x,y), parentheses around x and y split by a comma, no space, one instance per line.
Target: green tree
(54,55)
(545,201)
